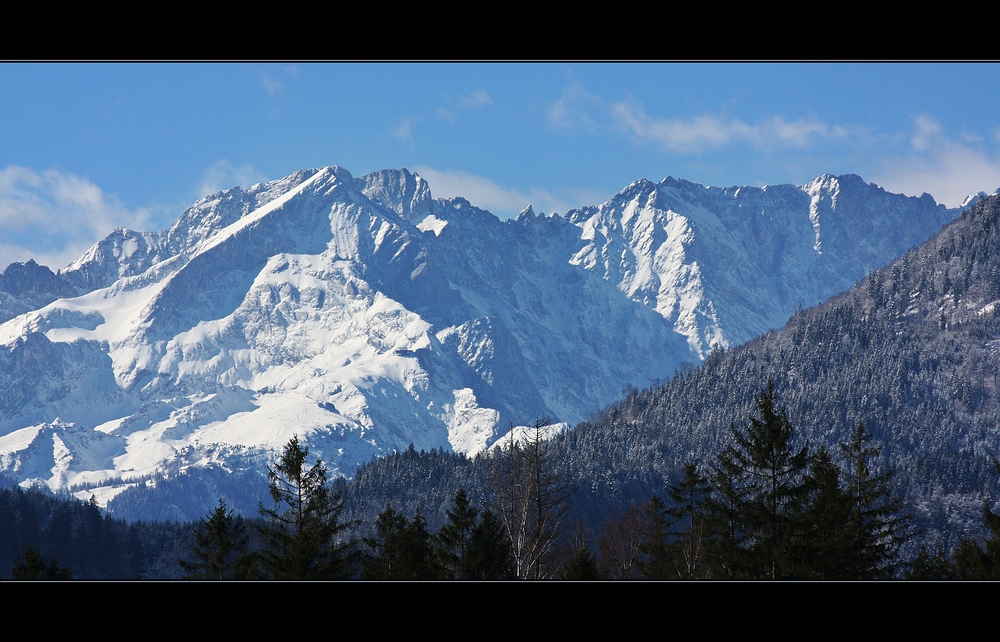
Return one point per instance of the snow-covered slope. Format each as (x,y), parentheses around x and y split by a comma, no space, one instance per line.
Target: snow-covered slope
(363,315)
(723,265)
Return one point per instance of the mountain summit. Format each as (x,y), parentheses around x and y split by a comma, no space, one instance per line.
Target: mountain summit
(364,315)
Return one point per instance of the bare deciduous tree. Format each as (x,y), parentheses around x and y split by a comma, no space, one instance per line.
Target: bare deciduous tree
(531,502)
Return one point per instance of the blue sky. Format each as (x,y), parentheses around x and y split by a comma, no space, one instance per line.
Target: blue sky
(87,147)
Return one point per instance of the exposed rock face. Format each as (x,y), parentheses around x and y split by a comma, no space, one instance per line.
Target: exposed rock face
(363,315)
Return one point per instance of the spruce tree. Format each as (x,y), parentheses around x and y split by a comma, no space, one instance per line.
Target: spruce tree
(582,567)
(688,513)
(32,565)
(759,485)
(928,567)
(878,522)
(658,561)
(981,562)
(304,541)
(220,548)
(489,552)
(454,538)
(420,559)
(400,549)
(728,536)
(385,556)
(824,547)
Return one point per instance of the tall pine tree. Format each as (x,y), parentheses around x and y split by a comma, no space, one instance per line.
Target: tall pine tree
(878,522)
(303,534)
(455,538)
(220,548)
(824,547)
(759,487)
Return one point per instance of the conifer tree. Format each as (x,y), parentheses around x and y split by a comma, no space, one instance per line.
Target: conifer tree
(759,485)
(32,565)
(931,567)
(879,525)
(824,548)
(727,535)
(981,562)
(303,541)
(420,559)
(489,551)
(384,559)
(455,538)
(220,548)
(658,560)
(400,549)
(582,567)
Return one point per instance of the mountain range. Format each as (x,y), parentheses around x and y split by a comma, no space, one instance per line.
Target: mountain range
(364,315)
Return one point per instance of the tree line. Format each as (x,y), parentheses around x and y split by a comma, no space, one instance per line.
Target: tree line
(305,538)
(766,507)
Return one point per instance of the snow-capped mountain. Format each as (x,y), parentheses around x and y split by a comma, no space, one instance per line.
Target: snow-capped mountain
(364,315)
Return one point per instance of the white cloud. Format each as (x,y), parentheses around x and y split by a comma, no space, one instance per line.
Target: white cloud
(445,114)
(801,132)
(928,132)
(405,130)
(477,98)
(271,85)
(486,194)
(221,175)
(54,217)
(946,168)
(699,133)
(576,108)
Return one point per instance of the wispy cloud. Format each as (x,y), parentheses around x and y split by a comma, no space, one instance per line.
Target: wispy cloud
(404,131)
(488,195)
(947,168)
(446,114)
(578,108)
(703,132)
(450,112)
(222,175)
(927,132)
(53,217)
(478,98)
(271,85)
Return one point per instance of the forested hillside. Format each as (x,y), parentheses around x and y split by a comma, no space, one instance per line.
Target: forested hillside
(913,352)
(77,537)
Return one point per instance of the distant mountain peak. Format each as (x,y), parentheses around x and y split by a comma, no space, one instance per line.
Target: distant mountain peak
(364,315)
